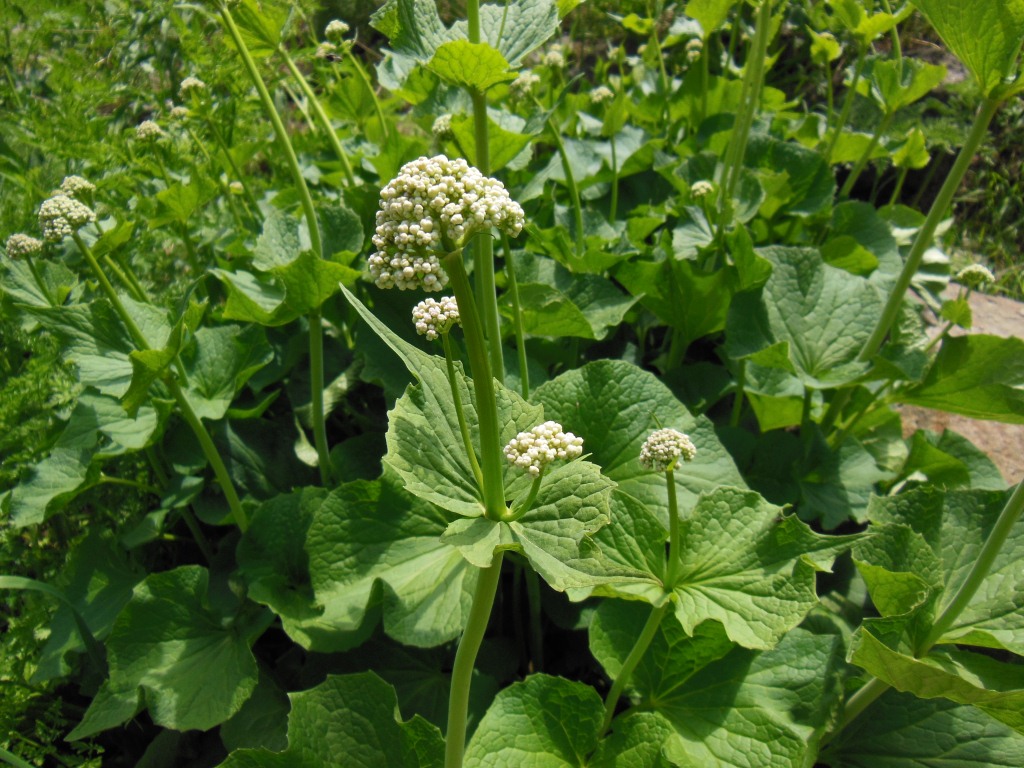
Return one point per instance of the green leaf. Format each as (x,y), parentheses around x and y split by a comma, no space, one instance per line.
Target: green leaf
(351,715)
(748,567)
(615,406)
(860,223)
(710,13)
(260,23)
(370,532)
(219,364)
(413,27)
(733,707)
(193,667)
(279,242)
(986,36)
(98,582)
(476,66)
(810,184)
(519,27)
(955,526)
(20,284)
(977,376)
(261,722)
(913,152)
(503,145)
(903,731)
(958,312)
(541,721)
(992,686)
(897,84)
(822,313)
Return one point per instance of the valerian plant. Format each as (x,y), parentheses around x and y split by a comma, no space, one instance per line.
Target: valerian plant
(492,396)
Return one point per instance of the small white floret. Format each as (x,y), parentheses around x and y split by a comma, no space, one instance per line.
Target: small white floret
(664,448)
(545,443)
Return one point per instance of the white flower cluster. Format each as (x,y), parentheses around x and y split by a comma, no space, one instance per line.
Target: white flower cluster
(702,189)
(523,85)
(664,446)
(975,275)
(540,446)
(76,186)
(432,207)
(553,58)
(325,50)
(191,85)
(148,129)
(432,317)
(442,128)
(336,30)
(20,245)
(60,216)
(693,49)
(180,113)
(601,94)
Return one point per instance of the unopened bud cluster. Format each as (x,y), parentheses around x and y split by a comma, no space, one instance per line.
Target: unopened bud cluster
(336,30)
(975,275)
(61,216)
(542,445)
(147,130)
(191,85)
(442,128)
(522,86)
(19,246)
(601,94)
(76,186)
(433,318)
(702,189)
(429,210)
(663,449)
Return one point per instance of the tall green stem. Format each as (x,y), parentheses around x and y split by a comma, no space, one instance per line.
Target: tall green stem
(615,181)
(844,114)
(483,386)
(570,182)
(184,406)
(385,131)
(927,232)
(316,351)
(459,411)
(753,79)
(321,116)
(639,649)
(517,311)
(858,167)
(672,572)
(465,660)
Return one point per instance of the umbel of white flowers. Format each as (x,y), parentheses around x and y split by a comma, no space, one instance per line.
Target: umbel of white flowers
(542,445)
(664,448)
(336,30)
(433,318)
(60,216)
(76,186)
(19,246)
(975,275)
(148,129)
(429,210)
(191,85)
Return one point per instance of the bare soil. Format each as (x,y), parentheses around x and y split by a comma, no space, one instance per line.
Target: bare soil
(1004,443)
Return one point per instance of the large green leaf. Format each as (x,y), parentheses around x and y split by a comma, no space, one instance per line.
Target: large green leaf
(192,665)
(219,364)
(985,35)
(731,708)
(903,731)
(895,84)
(260,23)
(992,686)
(820,316)
(615,406)
(370,532)
(504,144)
(977,376)
(354,716)
(710,13)
(955,525)
(809,182)
(476,66)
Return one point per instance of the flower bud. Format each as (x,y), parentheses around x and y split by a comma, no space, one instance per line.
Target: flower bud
(664,447)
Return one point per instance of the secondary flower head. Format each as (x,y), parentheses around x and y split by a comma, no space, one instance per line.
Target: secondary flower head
(429,210)
(19,246)
(523,85)
(974,276)
(553,58)
(433,318)
(76,186)
(191,85)
(702,189)
(147,130)
(442,128)
(601,94)
(663,449)
(60,216)
(693,49)
(336,30)
(325,50)
(542,445)
(180,113)
(236,188)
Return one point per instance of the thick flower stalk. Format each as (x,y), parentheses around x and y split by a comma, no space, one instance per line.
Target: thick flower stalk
(430,210)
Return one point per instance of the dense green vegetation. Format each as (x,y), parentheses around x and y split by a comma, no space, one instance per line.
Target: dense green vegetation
(649,505)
